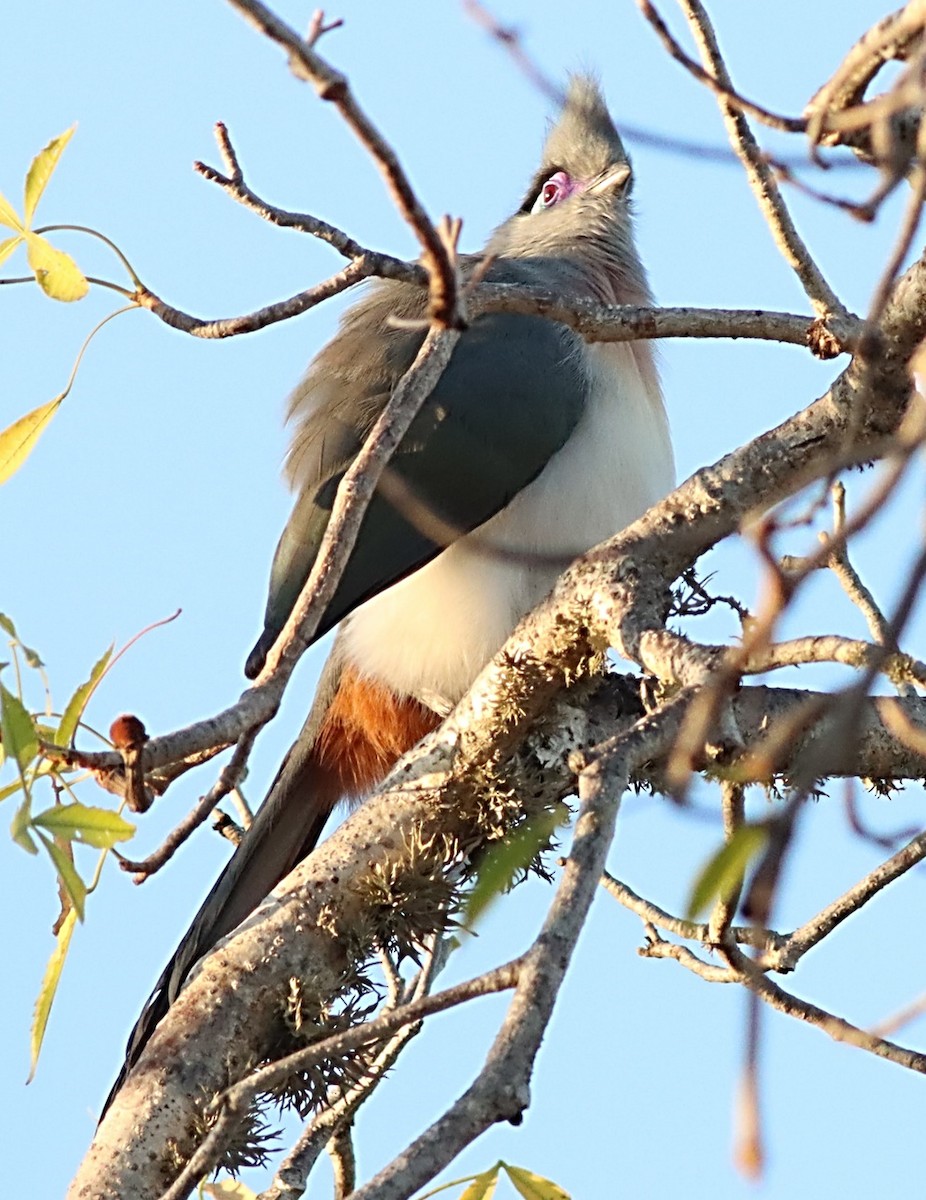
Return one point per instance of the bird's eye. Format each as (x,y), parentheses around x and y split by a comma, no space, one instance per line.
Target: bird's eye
(556,188)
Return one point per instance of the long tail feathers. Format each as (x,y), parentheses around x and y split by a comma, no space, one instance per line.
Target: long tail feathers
(286,828)
(356,731)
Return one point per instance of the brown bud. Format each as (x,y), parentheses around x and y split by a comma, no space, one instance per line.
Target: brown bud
(127,732)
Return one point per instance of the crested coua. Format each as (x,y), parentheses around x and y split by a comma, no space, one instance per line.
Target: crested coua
(533,447)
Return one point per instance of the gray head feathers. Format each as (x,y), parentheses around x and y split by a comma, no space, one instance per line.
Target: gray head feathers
(576,216)
(583,140)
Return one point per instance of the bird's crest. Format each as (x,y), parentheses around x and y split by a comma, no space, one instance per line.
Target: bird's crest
(582,141)
(583,137)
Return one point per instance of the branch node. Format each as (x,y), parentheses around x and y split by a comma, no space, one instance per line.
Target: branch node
(822,342)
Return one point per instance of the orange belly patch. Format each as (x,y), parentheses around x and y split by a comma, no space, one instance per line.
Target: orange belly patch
(366,731)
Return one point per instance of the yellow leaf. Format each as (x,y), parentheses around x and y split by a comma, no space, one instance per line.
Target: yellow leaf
(228,1189)
(49,986)
(18,440)
(56,273)
(482,1187)
(8,215)
(42,169)
(8,246)
(534,1187)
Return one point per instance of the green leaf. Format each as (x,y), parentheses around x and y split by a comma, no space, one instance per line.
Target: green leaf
(505,859)
(534,1187)
(100,827)
(56,273)
(11,789)
(42,169)
(19,829)
(32,658)
(71,881)
(74,708)
(18,729)
(49,987)
(725,870)
(18,440)
(8,215)
(8,246)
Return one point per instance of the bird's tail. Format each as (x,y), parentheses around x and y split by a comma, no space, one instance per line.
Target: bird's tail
(286,828)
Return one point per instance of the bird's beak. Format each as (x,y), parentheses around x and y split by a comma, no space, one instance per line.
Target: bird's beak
(611,180)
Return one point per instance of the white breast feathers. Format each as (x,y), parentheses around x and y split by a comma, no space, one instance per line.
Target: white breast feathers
(431,634)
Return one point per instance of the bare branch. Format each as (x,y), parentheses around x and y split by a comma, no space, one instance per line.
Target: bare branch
(895,37)
(235,1101)
(652,914)
(835,1027)
(332,86)
(903,1017)
(383,265)
(761,178)
(657,947)
(283,310)
(721,89)
(724,910)
(850,579)
(812,932)
(625,323)
(229,777)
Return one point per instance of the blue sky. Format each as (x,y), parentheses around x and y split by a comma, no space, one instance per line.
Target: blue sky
(157,488)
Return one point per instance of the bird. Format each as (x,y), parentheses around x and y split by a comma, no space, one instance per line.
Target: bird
(533,447)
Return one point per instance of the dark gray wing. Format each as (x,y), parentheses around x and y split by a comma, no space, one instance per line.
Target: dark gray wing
(508,400)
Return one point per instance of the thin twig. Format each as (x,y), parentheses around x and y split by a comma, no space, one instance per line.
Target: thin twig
(657,947)
(652,914)
(904,1016)
(332,86)
(228,780)
(839,1029)
(233,1102)
(721,89)
(860,595)
(724,909)
(240,801)
(234,184)
(749,1154)
(850,579)
(761,178)
(282,310)
(343,1163)
(812,932)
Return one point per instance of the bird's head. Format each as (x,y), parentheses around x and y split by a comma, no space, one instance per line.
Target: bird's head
(577,207)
